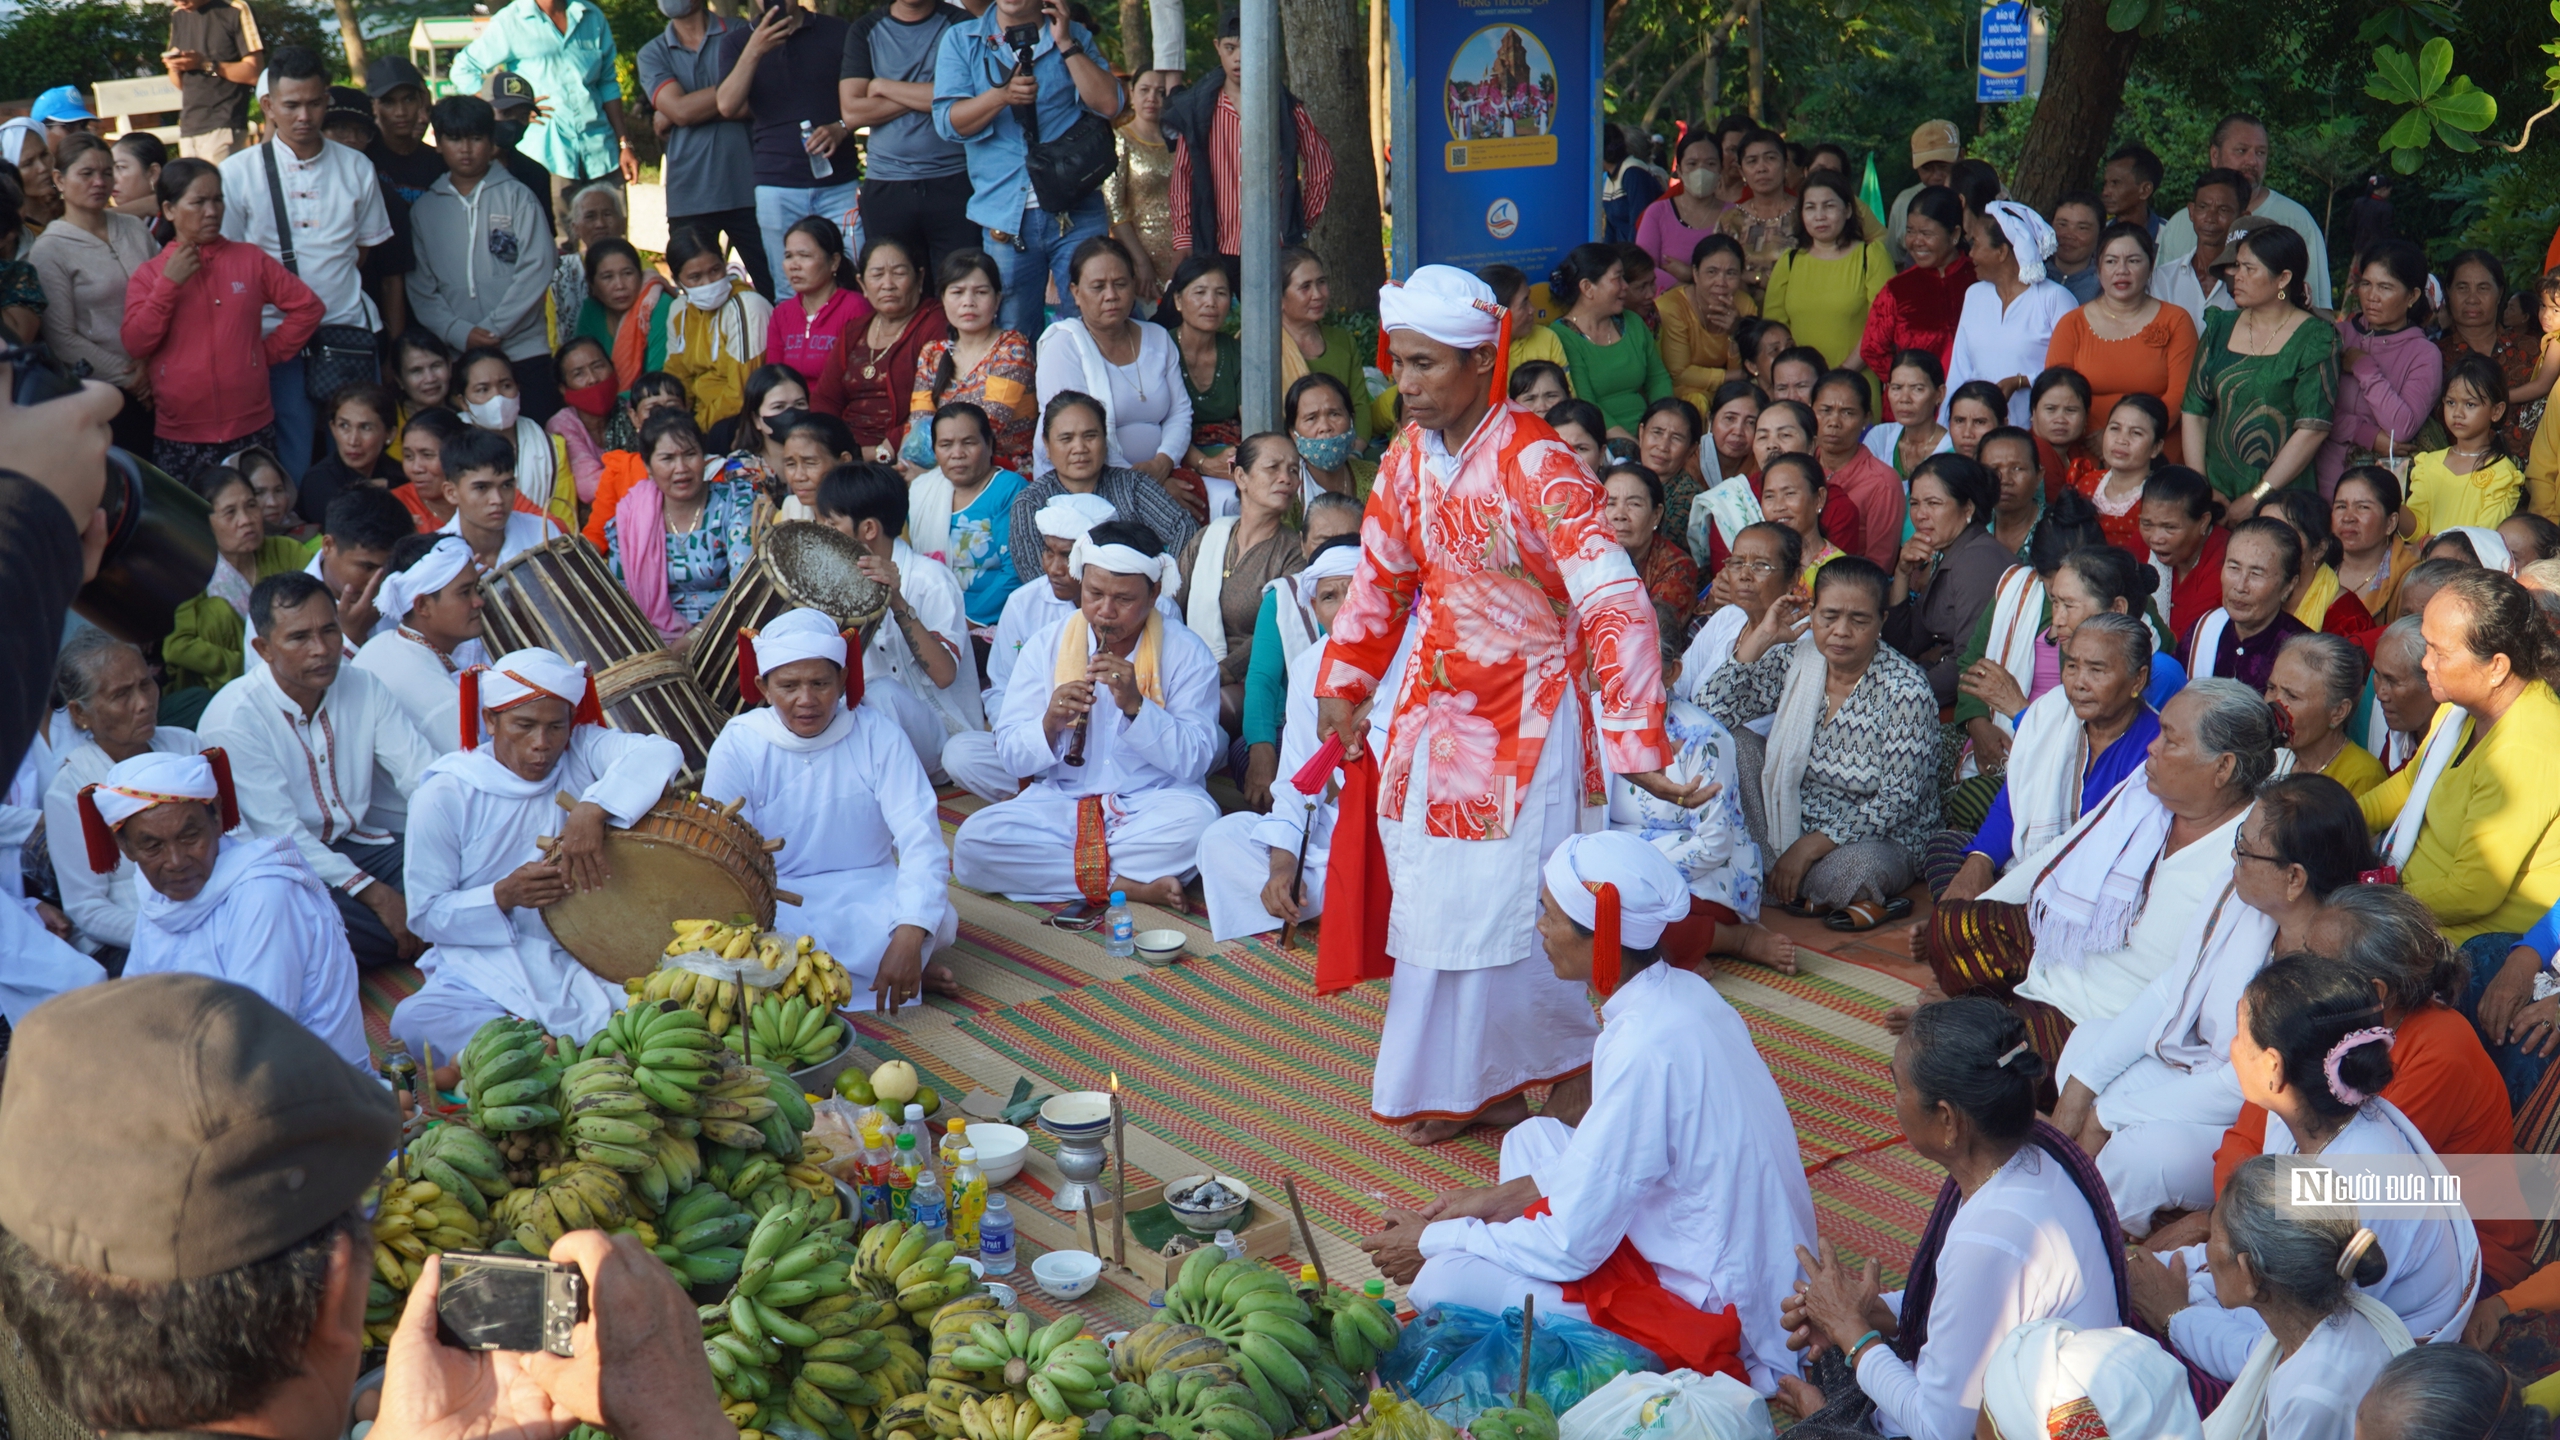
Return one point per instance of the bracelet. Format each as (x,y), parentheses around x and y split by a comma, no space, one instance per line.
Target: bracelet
(2261,492)
(1860,1348)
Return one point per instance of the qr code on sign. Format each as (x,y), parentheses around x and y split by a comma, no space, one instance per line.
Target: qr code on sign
(1458,158)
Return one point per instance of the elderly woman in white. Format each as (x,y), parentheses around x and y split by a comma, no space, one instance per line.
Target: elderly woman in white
(836,781)
(2010,313)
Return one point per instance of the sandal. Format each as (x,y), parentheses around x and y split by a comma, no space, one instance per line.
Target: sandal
(1868,914)
(1800,909)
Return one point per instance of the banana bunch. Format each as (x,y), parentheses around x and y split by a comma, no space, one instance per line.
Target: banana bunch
(1008,1417)
(608,1120)
(815,976)
(1534,1421)
(727,939)
(1358,1329)
(1057,1365)
(1186,1404)
(1161,1345)
(701,1232)
(510,1074)
(1389,1416)
(1266,1327)
(897,1261)
(794,1031)
(382,1306)
(786,1265)
(716,1000)
(463,1164)
(418,1218)
(583,1195)
(757,1181)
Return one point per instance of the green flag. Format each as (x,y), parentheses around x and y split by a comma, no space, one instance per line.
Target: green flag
(1870,193)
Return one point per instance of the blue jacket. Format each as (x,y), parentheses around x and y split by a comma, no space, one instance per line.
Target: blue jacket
(975,59)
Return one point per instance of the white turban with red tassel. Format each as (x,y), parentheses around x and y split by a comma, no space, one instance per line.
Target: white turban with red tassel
(802,634)
(152,778)
(1622,890)
(521,676)
(1451,306)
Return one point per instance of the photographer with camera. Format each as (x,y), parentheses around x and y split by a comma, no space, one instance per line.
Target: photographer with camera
(199,1262)
(1020,89)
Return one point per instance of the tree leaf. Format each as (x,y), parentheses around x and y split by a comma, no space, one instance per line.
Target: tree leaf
(2464,108)
(2435,62)
(2454,140)
(2409,131)
(2406,161)
(2125,15)
(2395,78)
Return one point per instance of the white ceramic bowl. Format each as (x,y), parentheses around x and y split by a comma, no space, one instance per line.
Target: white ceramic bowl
(1160,947)
(1078,1114)
(1001,1150)
(1206,1220)
(1066,1274)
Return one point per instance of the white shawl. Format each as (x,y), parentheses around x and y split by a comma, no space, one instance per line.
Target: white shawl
(929,515)
(2236,939)
(535,470)
(1071,337)
(1791,743)
(2441,745)
(2088,897)
(1201,608)
(2208,643)
(2242,1415)
(2046,765)
(1298,628)
(2017,622)
(769,727)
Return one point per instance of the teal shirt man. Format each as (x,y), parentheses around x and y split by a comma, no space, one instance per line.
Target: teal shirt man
(567,55)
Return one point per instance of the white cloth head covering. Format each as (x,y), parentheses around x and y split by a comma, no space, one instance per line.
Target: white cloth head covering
(1069,516)
(2027,234)
(1121,560)
(2487,544)
(1445,303)
(803,634)
(435,570)
(1652,893)
(2045,1366)
(522,675)
(1338,560)
(154,777)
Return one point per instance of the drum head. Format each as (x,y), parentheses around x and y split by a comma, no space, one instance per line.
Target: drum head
(621,931)
(817,568)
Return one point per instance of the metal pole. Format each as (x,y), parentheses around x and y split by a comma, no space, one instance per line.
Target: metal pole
(1404,161)
(1259,112)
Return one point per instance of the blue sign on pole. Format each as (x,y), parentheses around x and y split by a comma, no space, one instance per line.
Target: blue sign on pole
(1502,104)
(2002,73)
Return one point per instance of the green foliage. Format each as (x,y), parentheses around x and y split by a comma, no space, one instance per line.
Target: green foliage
(1871,102)
(2441,106)
(2509,209)
(50,39)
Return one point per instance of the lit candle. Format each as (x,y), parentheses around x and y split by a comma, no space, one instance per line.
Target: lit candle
(1119,1162)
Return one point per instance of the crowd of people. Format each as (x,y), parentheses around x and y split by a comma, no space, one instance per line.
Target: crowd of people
(2177,632)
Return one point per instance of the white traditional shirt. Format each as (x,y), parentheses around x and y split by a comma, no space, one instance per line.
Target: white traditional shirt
(312,777)
(1688,1152)
(1031,606)
(2172,1045)
(2024,1247)
(2315,1391)
(22,814)
(473,822)
(1994,342)
(427,685)
(1167,745)
(101,907)
(861,836)
(933,592)
(1290,814)
(524,531)
(262,920)
(334,200)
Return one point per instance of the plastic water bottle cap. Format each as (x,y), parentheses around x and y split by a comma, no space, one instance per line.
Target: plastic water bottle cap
(1306,1274)
(1375,1289)
(1119,897)
(968,1154)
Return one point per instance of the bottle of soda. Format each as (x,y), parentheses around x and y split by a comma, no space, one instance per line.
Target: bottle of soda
(875,1174)
(902,1179)
(968,1200)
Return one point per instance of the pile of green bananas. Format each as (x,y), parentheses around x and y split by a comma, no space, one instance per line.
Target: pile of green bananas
(511,1077)
(793,1031)
(904,1264)
(1187,1404)
(700,1232)
(1059,1366)
(1266,1328)
(1534,1421)
(669,1048)
(463,1164)
(1357,1328)
(582,1195)
(1008,1416)
(825,1367)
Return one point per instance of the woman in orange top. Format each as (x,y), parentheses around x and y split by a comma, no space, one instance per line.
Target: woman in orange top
(2441,1077)
(2125,341)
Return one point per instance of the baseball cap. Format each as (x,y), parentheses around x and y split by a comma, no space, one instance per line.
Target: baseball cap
(386,73)
(59,104)
(1936,142)
(206,1129)
(348,103)
(508,91)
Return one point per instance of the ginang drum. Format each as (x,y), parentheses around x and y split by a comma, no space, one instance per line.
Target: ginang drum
(687,858)
(559,596)
(798,564)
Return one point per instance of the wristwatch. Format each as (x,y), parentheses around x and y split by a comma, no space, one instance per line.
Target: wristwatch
(1069,51)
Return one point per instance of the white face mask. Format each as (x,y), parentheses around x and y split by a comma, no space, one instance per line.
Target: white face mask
(498,412)
(710,296)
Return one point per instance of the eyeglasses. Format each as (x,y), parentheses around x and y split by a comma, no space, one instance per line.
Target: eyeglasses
(1759,568)
(2239,852)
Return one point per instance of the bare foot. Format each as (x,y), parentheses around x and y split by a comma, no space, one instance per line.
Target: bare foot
(1570,1100)
(1758,944)
(1434,1132)
(1507,1112)
(1898,1019)
(1165,893)
(939,979)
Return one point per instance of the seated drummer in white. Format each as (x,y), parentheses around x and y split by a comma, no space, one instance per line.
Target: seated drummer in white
(1246,860)
(237,907)
(429,634)
(1130,817)
(917,666)
(969,757)
(827,773)
(477,879)
(1686,1156)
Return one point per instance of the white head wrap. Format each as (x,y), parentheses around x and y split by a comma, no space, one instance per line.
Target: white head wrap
(1069,516)
(520,675)
(2488,545)
(1651,891)
(435,570)
(153,778)
(803,634)
(1445,303)
(1121,560)
(1338,560)
(2028,236)
(2046,1366)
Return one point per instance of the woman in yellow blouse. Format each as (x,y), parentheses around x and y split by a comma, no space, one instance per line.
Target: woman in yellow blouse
(2470,823)
(1821,289)
(1696,338)
(2314,685)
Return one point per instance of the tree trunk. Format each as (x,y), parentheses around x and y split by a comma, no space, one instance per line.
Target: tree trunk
(1328,72)
(2083,90)
(1377,96)
(1137,44)
(1759,66)
(351,35)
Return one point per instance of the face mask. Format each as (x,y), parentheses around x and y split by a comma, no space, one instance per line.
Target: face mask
(1327,452)
(675,9)
(509,132)
(709,296)
(596,399)
(498,412)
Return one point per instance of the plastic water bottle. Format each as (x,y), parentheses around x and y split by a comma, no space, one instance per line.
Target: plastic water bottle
(876,1158)
(968,1200)
(1119,928)
(995,1237)
(902,1179)
(928,1207)
(914,1125)
(819,165)
(1226,1240)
